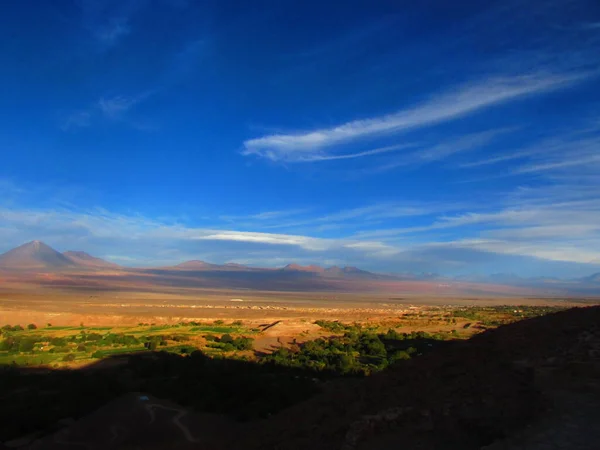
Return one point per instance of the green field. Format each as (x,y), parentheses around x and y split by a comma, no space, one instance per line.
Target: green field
(62,345)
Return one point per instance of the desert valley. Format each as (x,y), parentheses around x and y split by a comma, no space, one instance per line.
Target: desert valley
(262,342)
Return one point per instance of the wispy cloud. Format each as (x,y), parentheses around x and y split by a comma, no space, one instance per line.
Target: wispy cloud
(112,108)
(264,216)
(550,232)
(445,107)
(590,26)
(115,107)
(108,21)
(110,33)
(376,151)
(496,159)
(445,149)
(77,119)
(461,144)
(549,222)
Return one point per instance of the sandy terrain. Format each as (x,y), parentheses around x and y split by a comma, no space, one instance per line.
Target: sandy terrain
(67,307)
(294,313)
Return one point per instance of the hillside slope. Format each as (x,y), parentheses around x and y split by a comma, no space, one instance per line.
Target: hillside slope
(466,396)
(83,259)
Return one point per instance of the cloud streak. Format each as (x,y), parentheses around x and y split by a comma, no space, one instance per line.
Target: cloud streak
(451,105)
(562,232)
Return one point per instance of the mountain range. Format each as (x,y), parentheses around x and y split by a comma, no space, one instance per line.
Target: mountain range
(36,257)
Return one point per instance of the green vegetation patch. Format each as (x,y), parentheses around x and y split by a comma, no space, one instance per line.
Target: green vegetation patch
(215,329)
(99,354)
(354,353)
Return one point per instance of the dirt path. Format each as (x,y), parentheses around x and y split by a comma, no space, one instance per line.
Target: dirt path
(139,421)
(176,419)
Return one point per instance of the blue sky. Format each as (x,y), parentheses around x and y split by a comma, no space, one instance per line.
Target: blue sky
(458,138)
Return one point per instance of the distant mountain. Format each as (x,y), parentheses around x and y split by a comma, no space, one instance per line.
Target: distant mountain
(298,268)
(505,278)
(83,259)
(195,264)
(236,266)
(333,271)
(595,278)
(35,255)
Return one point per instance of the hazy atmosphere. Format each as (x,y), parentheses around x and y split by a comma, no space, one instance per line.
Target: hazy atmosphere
(398,137)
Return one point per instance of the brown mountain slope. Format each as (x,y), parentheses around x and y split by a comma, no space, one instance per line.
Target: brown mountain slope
(35,255)
(298,268)
(82,259)
(195,265)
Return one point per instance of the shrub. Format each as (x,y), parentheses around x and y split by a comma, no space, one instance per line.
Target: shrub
(226,339)
(26,345)
(10,344)
(31,326)
(58,342)
(69,357)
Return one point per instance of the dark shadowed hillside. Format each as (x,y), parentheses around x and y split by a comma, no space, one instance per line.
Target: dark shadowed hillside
(527,385)
(541,372)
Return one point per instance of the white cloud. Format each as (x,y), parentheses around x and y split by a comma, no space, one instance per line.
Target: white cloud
(448,106)
(305,242)
(558,222)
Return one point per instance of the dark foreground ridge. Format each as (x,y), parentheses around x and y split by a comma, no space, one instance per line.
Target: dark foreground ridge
(533,384)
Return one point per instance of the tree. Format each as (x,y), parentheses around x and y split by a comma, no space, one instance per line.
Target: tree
(32,326)
(226,339)
(7,344)
(26,345)
(243,343)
